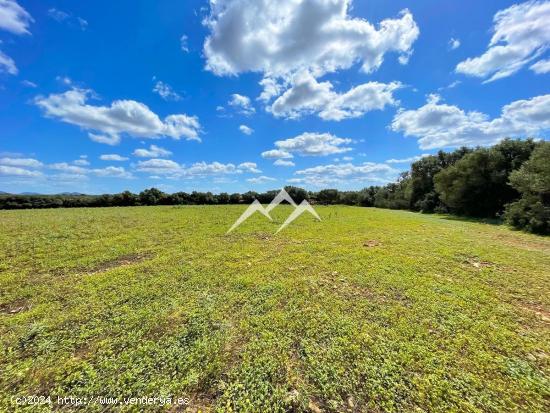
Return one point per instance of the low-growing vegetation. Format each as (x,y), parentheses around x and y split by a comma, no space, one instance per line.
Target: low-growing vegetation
(369,310)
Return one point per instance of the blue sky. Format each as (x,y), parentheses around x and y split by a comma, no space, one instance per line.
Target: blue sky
(235,95)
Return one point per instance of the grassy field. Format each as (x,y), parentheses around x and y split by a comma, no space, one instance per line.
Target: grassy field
(367,311)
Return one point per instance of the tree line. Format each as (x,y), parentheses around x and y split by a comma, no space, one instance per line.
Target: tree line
(510,181)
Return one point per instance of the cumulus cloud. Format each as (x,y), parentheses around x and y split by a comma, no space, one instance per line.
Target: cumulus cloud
(521,34)
(113,157)
(123,117)
(66,167)
(271,88)
(81,162)
(69,171)
(541,67)
(346,173)
(438,125)
(242,104)
(166,92)
(112,172)
(307,96)
(309,144)
(283,162)
(261,180)
(276,153)
(249,167)
(106,139)
(14,18)
(154,151)
(6,170)
(23,162)
(175,170)
(20,167)
(159,166)
(246,130)
(62,171)
(278,38)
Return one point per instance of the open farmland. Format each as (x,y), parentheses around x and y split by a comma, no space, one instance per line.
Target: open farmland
(367,311)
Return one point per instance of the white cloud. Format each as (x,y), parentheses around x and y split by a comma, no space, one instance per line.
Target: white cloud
(246,130)
(313,144)
(159,166)
(276,153)
(261,180)
(7,64)
(307,96)
(242,104)
(75,171)
(347,173)
(454,43)
(271,87)
(68,168)
(521,34)
(174,170)
(165,91)
(113,157)
(106,139)
(278,38)
(14,18)
(249,167)
(409,159)
(439,125)
(154,151)
(16,171)
(541,67)
(71,172)
(24,162)
(112,172)
(183,44)
(121,117)
(282,162)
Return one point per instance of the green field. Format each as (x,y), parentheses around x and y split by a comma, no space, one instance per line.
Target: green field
(367,311)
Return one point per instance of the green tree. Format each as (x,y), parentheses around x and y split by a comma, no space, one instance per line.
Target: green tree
(477,184)
(328,196)
(532,181)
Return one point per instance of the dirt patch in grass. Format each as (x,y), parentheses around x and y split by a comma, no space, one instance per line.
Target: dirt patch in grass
(123,260)
(542,313)
(372,243)
(476,262)
(15,307)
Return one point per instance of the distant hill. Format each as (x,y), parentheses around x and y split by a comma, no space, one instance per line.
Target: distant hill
(71,193)
(37,193)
